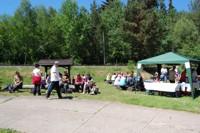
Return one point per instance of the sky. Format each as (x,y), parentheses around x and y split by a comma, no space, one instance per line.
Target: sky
(9,6)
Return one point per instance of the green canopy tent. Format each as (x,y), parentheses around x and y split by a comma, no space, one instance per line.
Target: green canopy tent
(171,58)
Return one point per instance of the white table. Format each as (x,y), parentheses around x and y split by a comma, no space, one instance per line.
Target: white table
(167,87)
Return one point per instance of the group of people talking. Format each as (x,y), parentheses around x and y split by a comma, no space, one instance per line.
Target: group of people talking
(176,74)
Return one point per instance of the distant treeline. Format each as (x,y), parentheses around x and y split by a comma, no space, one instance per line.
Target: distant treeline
(106,34)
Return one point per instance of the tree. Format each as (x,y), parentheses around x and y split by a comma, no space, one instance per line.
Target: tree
(6,35)
(49,35)
(81,49)
(109,33)
(162,6)
(195,5)
(25,41)
(106,4)
(66,21)
(142,28)
(171,7)
(96,35)
(195,12)
(112,19)
(168,21)
(186,37)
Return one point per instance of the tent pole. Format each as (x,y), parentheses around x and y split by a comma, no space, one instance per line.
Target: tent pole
(188,70)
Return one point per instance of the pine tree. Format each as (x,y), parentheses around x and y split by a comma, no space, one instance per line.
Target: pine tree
(106,4)
(171,7)
(142,28)
(96,35)
(162,6)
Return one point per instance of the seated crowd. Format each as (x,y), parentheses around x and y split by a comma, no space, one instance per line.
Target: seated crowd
(125,80)
(79,83)
(85,84)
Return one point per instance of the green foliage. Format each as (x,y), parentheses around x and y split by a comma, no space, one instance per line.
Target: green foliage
(117,50)
(195,5)
(108,92)
(131,65)
(185,32)
(110,33)
(8,131)
(142,28)
(186,37)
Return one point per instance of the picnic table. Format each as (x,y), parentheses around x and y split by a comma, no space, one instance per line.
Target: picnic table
(162,87)
(169,87)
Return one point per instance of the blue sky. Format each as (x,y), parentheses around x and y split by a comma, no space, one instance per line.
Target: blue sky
(9,6)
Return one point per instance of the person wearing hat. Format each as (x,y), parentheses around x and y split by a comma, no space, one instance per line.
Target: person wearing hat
(36,79)
(55,78)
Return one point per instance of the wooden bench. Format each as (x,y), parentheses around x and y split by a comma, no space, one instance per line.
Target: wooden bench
(32,86)
(27,86)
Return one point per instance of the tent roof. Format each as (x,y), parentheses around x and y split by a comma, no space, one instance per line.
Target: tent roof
(168,58)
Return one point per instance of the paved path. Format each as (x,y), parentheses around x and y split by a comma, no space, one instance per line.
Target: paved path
(39,115)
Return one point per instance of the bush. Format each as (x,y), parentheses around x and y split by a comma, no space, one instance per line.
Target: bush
(131,65)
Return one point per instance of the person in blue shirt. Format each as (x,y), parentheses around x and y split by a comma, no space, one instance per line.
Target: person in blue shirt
(123,82)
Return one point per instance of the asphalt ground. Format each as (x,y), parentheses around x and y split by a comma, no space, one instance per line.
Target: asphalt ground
(71,115)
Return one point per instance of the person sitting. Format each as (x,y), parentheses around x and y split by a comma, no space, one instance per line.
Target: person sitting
(156,77)
(130,79)
(117,81)
(88,84)
(94,89)
(65,82)
(108,79)
(17,83)
(113,77)
(183,80)
(123,82)
(139,84)
(43,81)
(183,76)
(78,83)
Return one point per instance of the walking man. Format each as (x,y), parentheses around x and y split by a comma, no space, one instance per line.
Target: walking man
(54,81)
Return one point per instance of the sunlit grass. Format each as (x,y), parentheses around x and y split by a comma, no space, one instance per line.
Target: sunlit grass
(8,131)
(108,92)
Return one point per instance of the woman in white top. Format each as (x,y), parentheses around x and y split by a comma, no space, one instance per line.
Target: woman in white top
(117,81)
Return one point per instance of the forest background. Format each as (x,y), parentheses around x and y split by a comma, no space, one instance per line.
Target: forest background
(110,33)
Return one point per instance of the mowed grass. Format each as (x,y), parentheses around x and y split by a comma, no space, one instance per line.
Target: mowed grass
(108,92)
(8,131)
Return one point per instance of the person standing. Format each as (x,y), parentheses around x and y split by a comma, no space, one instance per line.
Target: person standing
(55,78)
(172,75)
(36,79)
(163,76)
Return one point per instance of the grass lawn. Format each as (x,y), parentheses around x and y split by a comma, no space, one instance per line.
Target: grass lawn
(8,131)
(108,92)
